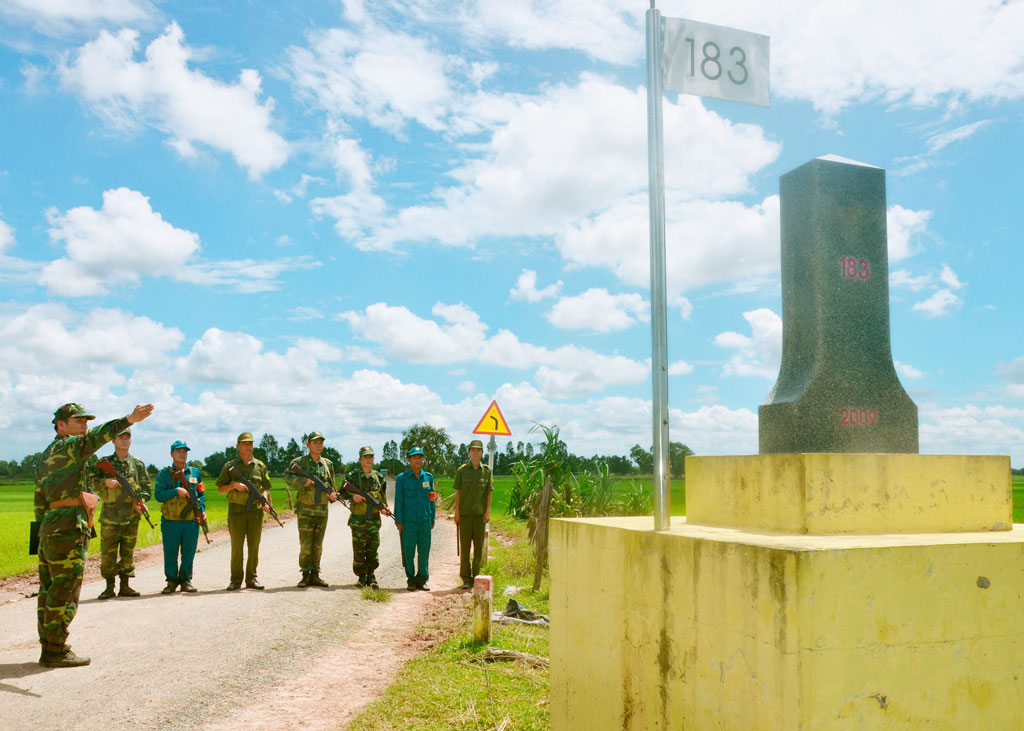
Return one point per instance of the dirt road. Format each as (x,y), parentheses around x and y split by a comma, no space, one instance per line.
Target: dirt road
(304,658)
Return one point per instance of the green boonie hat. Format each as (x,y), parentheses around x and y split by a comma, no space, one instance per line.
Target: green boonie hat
(414,451)
(363,451)
(178,444)
(245,436)
(313,435)
(69,411)
(476,444)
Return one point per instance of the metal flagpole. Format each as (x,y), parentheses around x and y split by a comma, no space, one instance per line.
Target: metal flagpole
(659,318)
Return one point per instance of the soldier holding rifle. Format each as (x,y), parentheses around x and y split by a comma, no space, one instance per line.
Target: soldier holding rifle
(245,515)
(64,513)
(179,520)
(120,516)
(311,505)
(365,518)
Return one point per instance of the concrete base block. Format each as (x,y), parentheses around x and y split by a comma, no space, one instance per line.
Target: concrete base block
(835,493)
(715,628)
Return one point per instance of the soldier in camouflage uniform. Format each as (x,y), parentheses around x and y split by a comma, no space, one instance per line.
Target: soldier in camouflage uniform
(120,517)
(311,507)
(65,523)
(365,519)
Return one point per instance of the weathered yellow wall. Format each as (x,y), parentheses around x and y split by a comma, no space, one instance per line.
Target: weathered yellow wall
(851,493)
(714,628)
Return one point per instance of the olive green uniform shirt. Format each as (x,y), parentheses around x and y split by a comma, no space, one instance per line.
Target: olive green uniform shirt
(473,486)
(371,484)
(256,472)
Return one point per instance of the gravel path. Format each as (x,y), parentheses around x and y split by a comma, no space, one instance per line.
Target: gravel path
(249,659)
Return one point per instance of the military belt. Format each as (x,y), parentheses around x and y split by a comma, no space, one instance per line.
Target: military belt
(66,503)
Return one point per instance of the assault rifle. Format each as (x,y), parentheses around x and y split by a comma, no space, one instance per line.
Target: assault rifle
(370,499)
(193,503)
(321,486)
(255,496)
(107,466)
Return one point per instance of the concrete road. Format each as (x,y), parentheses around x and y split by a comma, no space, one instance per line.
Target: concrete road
(182,661)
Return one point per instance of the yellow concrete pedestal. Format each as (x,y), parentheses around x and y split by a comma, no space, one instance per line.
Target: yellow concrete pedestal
(709,627)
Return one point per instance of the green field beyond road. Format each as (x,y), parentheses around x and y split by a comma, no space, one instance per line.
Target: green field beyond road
(16,514)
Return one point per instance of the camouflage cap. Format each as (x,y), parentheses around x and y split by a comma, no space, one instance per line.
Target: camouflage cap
(245,436)
(363,451)
(415,451)
(70,411)
(313,435)
(476,444)
(178,444)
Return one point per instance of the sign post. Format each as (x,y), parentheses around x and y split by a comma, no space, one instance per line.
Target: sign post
(705,60)
(492,422)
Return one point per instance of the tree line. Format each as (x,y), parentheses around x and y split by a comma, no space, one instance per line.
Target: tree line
(443,456)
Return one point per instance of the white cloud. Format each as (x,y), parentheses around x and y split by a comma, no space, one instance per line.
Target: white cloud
(903,278)
(59,17)
(237,357)
(6,236)
(527,182)
(972,429)
(949,278)
(943,302)
(597,310)
(936,143)
(164,92)
(526,288)
(904,230)
(51,340)
(374,73)
(467,387)
(1012,374)
(460,336)
(907,371)
(679,368)
(126,240)
(759,354)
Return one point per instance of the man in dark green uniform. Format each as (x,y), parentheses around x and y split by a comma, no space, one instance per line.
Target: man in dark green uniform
(311,506)
(474,488)
(64,510)
(245,525)
(365,519)
(120,516)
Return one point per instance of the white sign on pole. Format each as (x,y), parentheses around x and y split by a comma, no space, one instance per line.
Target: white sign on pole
(715,61)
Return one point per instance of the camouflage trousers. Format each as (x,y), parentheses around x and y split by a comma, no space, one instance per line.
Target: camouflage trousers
(365,542)
(61,566)
(114,538)
(312,526)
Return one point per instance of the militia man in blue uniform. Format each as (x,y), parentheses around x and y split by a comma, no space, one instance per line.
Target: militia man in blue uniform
(415,510)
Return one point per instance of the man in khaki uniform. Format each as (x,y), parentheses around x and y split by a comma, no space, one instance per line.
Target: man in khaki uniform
(245,517)
(474,488)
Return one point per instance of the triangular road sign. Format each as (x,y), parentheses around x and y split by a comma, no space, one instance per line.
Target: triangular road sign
(493,422)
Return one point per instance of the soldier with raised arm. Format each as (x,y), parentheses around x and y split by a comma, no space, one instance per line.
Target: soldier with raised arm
(64,510)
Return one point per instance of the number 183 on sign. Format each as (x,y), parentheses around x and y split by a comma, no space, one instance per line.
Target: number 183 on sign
(715,61)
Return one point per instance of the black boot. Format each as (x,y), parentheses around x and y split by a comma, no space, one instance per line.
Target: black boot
(315,580)
(63,659)
(125,589)
(304,581)
(108,592)
(169,589)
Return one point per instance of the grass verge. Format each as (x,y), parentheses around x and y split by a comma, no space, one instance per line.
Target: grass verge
(451,687)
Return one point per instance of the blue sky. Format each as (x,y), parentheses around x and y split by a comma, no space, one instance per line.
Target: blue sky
(351,217)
